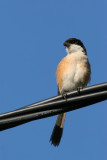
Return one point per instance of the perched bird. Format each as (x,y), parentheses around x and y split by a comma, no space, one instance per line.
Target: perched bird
(73,72)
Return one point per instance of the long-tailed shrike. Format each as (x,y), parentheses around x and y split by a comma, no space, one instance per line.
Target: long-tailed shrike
(73,72)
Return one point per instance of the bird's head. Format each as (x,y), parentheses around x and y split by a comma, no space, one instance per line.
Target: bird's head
(74,45)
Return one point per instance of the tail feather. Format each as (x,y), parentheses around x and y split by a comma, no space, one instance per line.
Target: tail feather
(58,130)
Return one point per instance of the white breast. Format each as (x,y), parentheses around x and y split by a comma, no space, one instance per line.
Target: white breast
(76,76)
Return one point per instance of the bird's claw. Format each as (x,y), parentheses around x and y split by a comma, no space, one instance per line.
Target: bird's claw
(78,89)
(64,95)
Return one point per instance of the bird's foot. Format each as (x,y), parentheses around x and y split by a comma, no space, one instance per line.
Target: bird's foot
(64,95)
(78,89)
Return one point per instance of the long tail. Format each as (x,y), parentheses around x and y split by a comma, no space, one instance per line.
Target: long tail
(58,130)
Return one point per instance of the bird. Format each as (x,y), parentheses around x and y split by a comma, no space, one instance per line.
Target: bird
(73,72)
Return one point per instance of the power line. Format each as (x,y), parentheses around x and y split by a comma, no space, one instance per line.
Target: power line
(53,106)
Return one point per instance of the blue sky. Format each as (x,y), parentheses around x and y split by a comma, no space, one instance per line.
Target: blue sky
(31,36)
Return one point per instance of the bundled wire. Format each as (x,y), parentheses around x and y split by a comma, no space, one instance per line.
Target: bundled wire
(53,106)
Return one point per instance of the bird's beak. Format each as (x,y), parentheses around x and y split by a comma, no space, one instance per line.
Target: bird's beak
(66,44)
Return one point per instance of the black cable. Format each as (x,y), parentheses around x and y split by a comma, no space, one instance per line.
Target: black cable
(89,89)
(42,105)
(53,109)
